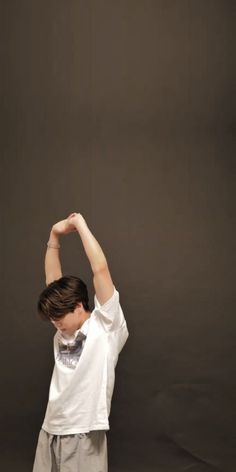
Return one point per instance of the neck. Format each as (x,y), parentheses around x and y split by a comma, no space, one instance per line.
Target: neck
(84,317)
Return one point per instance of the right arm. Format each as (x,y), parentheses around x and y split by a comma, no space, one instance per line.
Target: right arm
(52,258)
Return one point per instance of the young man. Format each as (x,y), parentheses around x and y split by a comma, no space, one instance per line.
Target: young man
(86,349)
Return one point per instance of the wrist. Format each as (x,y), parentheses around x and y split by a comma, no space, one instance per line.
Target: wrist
(79,221)
(54,236)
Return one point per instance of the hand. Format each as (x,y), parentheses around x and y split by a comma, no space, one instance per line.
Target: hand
(74,219)
(64,226)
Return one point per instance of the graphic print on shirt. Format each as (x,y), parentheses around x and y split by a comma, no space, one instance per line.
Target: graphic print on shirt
(69,354)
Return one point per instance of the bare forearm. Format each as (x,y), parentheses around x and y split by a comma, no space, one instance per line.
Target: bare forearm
(92,248)
(52,260)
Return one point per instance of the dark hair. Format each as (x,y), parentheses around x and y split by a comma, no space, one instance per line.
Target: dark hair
(61,297)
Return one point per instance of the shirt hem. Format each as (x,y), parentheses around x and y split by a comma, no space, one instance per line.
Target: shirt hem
(62,431)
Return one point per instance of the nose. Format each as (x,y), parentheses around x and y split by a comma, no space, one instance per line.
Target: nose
(56,323)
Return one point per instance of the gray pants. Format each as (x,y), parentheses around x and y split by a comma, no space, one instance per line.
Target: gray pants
(82,452)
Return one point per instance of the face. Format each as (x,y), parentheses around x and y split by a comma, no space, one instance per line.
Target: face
(70,322)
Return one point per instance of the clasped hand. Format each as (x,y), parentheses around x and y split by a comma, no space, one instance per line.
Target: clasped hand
(66,226)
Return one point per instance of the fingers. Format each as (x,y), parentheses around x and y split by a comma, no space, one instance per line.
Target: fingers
(70,222)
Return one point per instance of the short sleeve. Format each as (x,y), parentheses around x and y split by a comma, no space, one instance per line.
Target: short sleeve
(110,313)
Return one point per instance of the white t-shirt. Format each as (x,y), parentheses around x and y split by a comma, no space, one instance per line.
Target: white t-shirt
(82,385)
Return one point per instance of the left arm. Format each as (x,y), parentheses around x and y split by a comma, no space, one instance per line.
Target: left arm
(102,280)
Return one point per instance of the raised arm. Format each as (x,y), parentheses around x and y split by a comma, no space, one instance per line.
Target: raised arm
(102,280)
(52,259)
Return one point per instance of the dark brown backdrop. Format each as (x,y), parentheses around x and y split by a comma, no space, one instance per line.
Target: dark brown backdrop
(123,111)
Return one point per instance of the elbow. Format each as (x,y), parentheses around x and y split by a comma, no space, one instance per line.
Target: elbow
(100,266)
